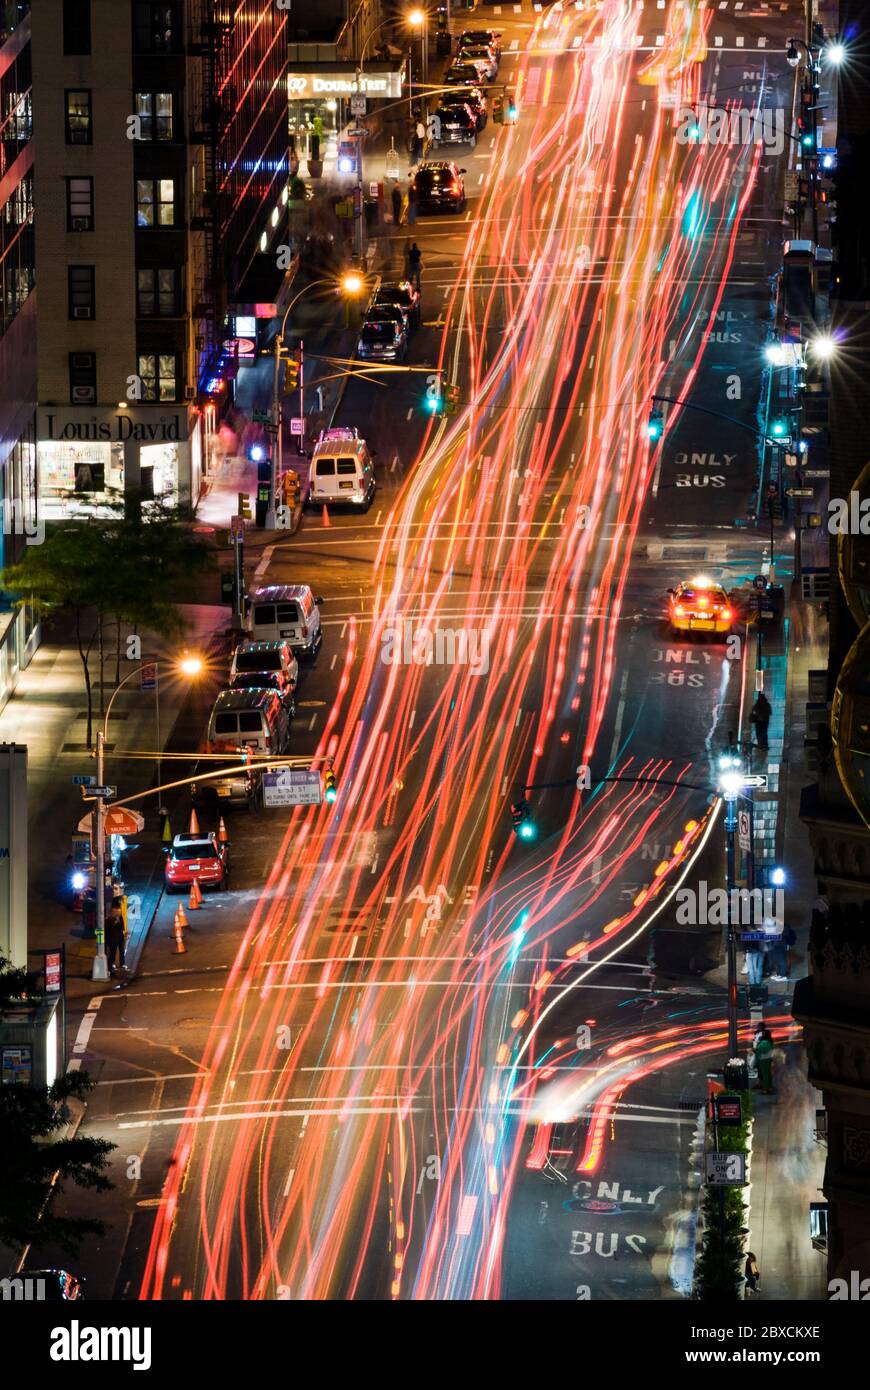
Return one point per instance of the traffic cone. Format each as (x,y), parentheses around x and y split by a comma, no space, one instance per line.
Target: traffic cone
(326,520)
(223,837)
(166,836)
(193,828)
(181,914)
(195,896)
(178,934)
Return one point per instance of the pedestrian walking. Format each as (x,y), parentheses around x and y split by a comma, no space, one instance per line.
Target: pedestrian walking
(760,717)
(779,948)
(115,939)
(415,263)
(751,1273)
(420,133)
(412,204)
(764,1062)
(396,197)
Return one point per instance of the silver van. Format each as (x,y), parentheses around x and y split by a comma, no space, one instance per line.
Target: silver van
(255,719)
(269,665)
(286,611)
(341,469)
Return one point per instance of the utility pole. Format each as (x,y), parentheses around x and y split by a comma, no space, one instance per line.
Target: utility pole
(101,964)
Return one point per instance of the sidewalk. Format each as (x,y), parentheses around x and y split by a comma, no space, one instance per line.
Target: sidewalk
(47,713)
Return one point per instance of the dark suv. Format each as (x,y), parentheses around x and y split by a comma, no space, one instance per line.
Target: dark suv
(406,296)
(439,187)
(457,124)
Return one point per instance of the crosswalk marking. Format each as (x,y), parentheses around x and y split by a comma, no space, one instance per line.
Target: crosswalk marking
(718,41)
(739,41)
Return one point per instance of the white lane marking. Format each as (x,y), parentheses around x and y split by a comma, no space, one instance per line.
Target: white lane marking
(288,1182)
(333,661)
(264,562)
(394,464)
(410,413)
(411,720)
(86,1026)
(313,722)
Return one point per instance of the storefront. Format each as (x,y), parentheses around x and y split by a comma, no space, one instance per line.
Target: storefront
(319,97)
(84,460)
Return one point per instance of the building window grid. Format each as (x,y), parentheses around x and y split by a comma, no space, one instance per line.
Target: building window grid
(158,373)
(155,202)
(156,26)
(82,291)
(80,204)
(156,292)
(76,28)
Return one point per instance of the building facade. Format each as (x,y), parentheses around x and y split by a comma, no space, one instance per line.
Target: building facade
(161,164)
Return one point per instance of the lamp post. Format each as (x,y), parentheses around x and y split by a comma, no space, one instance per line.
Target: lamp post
(189,666)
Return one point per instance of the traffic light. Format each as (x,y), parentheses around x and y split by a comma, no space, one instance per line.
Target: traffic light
(434,401)
(521,819)
(779,428)
(451,400)
(655,424)
(498,111)
(511,107)
(291,372)
(330,786)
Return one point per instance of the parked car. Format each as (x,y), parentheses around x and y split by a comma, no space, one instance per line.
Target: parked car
(291,610)
(473,97)
(406,295)
(261,659)
(383,340)
(241,787)
(480,53)
(465,74)
(256,718)
(439,187)
(490,37)
(204,860)
(456,125)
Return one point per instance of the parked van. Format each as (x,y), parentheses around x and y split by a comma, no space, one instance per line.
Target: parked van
(255,719)
(341,469)
(255,658)
(288,611)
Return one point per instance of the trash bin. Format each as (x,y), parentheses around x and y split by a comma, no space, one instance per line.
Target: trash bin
(444,43)
(372,210)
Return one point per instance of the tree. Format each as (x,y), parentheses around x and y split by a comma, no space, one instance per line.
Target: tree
(126,566)
(36,1165)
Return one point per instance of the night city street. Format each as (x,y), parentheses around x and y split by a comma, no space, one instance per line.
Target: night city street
(499,933)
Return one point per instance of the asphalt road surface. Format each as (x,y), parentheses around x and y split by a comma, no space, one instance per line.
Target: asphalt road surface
(338,1091)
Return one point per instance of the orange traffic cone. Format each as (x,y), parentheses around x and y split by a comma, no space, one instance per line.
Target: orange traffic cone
(223,837)
(193,828)
(178,934)
(195,896)
(181,915)
(326,520)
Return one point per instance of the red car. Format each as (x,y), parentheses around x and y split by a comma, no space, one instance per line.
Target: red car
(198,857)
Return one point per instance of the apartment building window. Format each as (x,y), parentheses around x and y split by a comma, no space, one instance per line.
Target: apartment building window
(158,374)
(154,110)
(78,118)
(82,378)
(80,205)
(155,203)
(82,291)
(76,27)
(156,295)
(156,27)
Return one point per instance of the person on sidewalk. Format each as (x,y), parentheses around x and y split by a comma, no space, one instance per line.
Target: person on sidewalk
(755,962)
(751,1273)
(779,949)
(412,204)
(415,263)
(761,712)
(764,1062)
(115,940)
(396,198)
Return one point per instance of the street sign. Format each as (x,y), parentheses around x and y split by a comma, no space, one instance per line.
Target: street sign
(743,829)
(53,970)
(297,425)
(792,186)
(757,779)
(728,1109)
(148,676)
(105,792)
(357,106)
(799,492)
(261,417)
(237,528)
(726,1170)
(817,472)
(83,779)
(292,786)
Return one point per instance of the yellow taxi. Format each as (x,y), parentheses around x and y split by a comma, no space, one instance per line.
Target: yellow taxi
(699,605)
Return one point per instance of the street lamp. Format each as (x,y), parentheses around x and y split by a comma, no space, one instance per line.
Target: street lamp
(189,665)
(823,347)
(834,53)
(732,782)
(350,284)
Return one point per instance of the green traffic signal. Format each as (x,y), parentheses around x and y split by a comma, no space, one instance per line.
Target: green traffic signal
(655,425)
(521,819)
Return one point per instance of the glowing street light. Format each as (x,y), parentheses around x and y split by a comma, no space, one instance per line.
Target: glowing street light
(416,18)
(823,347)
(776,354)
(834,53)
(191,665)
(352,282)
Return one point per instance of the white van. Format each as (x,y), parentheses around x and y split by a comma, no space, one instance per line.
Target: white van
(288,611)
(253,719)
(341,469)
(252,658)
